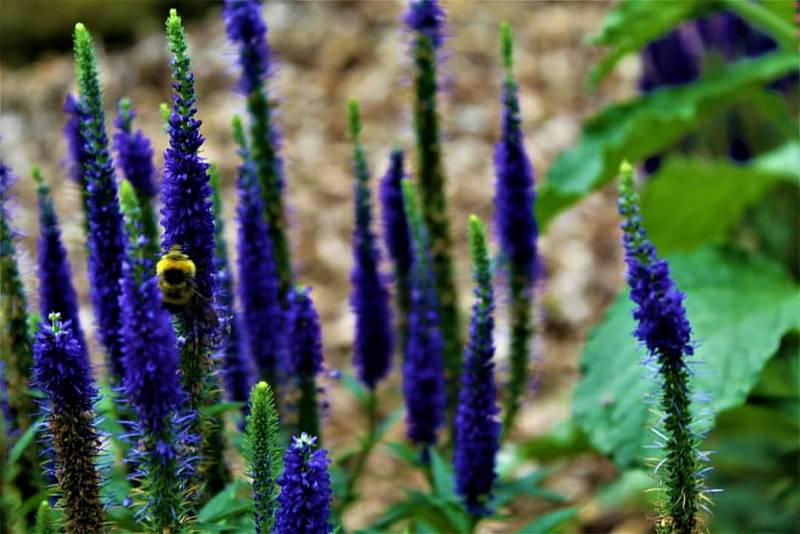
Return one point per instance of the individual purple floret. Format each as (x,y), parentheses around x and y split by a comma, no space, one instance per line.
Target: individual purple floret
(152,382)
(426,17)
(245,26)
(305,498)
(134,152)
(56,292)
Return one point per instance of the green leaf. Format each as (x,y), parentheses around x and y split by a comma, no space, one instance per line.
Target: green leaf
(356,388)
(443,481)
(739,306)
(563,441)
(388,422)
(784,160)
(528,485)
(645,125)
(631,24)
(227,503)
(220,408)
(23,441)
(550,522)
(404,452)
(689,202)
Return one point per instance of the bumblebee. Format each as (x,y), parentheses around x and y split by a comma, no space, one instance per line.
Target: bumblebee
(176,272)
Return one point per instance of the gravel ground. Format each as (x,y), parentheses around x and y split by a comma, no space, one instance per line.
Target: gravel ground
(325,53)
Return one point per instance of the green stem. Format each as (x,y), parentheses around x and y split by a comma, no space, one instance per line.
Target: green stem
(366,448)
(307,409)
(783,32)
(519,347)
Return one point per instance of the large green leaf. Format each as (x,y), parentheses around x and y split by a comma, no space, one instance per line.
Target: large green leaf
(631,24)
(689,202)
(739,307)
(646,125)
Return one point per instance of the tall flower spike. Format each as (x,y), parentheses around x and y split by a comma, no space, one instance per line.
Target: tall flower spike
(516,228)
(305,353)
(373,342)
(397,236)
(425,20)
(259,286)
(662,326)
(106,238)
(152,386)
(246,28)
(62,372)
(188,224)
(423,368)
(135,158)
(15,342)
(46,522)
(237,368)
(263,455)
(305,498)
(477,437)
(56,292)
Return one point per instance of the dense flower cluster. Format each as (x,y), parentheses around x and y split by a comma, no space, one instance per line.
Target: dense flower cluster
(369,299)
(396,233)
(477,437)
(106,240)
(263,317)
(56,293)
(134,152)
(304,501)
(245,27)
(427,18)
(423,368)
(662,325)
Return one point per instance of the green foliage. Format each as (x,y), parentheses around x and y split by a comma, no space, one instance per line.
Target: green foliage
(555,521)
(739,306)
(690,201)
(46,522)
(631,24)
(645,125)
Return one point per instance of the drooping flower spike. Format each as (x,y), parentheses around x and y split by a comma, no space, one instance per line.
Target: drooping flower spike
(423,368)
(369,299)
(63,373)
(516,229)
(305,497)
(106,239)
(259,285)
(425,21)
(246,28)
(477,438)
(663,327)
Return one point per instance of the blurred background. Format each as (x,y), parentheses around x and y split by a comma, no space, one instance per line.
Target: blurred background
(327,52)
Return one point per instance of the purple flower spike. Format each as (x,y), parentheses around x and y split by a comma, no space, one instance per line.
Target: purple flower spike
(134,152)
(152,380)
(426,17)
(246,27)
(305,498)
(56,292)
(395,227)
